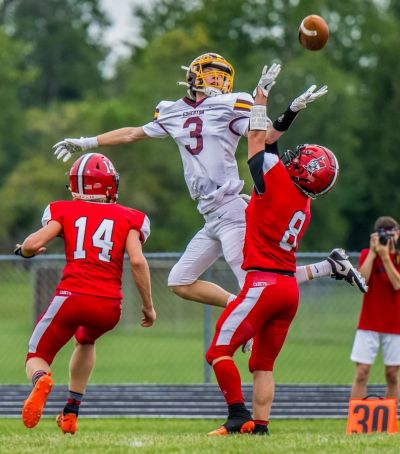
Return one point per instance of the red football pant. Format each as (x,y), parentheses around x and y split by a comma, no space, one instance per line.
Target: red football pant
(264,310)
(85,316)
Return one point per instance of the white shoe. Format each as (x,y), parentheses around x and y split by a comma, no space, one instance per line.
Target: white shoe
(343,269)
(247,346)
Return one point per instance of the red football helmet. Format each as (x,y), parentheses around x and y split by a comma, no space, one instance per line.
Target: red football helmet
(93,176)
(313,168)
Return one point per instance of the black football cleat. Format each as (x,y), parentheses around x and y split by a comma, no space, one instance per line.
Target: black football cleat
(343,269)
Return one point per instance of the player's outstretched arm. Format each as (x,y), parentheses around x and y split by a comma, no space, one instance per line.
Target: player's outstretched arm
(283,122)
(258,124)
(35,242)
(141,275)
(267,79)
(258,117)
(65,148)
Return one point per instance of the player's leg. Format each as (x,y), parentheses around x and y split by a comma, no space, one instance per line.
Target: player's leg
(263,396)
(359,386)
(365,349)
(49,336)
(232,330)
(392,381)
(281,304)
(241,319)
(81,365)
(183,280)
(99,316)
(391,360)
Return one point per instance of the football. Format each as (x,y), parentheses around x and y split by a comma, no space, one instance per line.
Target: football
(313,32)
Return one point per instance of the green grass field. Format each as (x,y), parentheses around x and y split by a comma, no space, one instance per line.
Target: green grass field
(317,349)
(183,436)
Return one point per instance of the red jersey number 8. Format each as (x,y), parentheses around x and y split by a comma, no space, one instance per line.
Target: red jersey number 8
(289,238)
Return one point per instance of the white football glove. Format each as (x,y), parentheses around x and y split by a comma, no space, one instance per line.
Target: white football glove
(267,79)
(308,96)
(67,147)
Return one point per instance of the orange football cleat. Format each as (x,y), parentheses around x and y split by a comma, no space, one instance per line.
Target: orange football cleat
(245,428)
(34,404)
(67,423)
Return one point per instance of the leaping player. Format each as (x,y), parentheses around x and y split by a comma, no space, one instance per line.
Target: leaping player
(207,125)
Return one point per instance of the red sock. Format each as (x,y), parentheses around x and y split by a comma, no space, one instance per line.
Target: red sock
(229,381)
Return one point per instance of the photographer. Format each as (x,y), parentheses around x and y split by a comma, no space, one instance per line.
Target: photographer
(379,322)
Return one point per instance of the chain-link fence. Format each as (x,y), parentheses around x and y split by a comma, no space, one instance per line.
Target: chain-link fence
(172,351)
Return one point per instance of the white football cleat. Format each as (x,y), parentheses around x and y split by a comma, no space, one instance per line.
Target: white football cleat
(343,269)
(247,346)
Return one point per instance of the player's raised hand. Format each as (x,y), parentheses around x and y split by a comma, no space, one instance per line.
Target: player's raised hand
(268,78)
(308,96)
(149,316)
(65,148)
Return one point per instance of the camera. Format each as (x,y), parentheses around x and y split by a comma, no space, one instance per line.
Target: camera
(384,236)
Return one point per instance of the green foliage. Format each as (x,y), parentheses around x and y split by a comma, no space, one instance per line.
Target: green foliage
(13,77)
(66,48)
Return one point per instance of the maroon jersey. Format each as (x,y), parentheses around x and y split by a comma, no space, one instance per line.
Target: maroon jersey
(381,304)
(276,217)
(94,237)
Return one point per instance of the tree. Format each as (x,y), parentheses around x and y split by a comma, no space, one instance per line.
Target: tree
(14,75)
(65,36)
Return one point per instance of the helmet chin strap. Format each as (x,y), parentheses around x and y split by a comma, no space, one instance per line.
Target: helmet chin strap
(208,91)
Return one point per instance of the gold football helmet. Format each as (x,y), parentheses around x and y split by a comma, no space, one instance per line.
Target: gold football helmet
(210,74)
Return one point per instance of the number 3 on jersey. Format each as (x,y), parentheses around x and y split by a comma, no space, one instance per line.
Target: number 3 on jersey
(100,239)
(195,134)
(289,238)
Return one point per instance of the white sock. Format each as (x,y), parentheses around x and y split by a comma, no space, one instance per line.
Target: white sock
(321,269)
(301,274)
(231,297)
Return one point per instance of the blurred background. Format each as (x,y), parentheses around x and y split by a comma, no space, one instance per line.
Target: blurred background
(71,68)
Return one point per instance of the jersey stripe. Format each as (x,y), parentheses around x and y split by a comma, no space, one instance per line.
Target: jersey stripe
(156,113)
(81,172)
(45,321)
(236,317)
(242,105)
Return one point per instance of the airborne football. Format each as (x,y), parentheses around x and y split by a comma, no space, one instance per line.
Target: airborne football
(313,32)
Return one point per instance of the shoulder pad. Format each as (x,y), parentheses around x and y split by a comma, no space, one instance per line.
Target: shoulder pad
(161,107)
(243,102)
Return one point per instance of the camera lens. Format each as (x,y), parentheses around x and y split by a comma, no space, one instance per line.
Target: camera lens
(383,237)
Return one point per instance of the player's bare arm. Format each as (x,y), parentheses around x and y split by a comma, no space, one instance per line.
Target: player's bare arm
(122,136)
(366,267)
(283,122)
(141,275)
(35,242)
(65,148)
(258,118)
(258,124)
